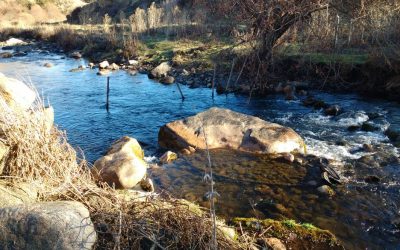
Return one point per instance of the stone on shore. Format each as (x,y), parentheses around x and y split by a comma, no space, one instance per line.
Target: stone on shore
(160,71)
(228,129)
(13,41)
(113,66)
(123,166)
(15,93)
(133,62)
(47,225)
(104,65)
(76,55)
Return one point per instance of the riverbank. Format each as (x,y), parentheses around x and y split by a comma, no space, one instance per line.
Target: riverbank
(197,62)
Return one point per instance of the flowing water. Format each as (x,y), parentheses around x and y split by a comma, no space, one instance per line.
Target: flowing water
(360,214)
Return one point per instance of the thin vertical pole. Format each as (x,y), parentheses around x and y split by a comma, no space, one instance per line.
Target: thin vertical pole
(213,82)
(108,94)
(230,76)
(180,91)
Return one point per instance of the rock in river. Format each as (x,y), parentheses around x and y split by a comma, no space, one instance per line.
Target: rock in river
(48,225)
(123,165)
(228,129)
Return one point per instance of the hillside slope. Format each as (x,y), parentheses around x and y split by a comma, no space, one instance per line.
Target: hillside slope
(29,12)
(95,11)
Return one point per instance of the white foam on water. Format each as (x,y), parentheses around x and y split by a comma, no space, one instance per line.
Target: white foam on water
(325,149)
(354,119)
(286,118)
(150,159)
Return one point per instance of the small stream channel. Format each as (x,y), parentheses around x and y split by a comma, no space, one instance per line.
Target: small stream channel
(362,215)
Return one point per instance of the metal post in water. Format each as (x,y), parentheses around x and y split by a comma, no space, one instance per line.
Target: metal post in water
(213,82)
(180,91)
(108,94)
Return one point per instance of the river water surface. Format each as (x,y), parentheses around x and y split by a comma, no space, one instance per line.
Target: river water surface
(361,215)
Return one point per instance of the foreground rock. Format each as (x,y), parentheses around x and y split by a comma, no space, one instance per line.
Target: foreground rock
(228,129)
(49,225)
(123,166)
(15,93)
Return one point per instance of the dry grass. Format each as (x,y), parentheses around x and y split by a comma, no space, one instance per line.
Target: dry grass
(43,158)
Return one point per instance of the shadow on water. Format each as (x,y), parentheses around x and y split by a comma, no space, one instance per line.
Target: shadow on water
(360,214)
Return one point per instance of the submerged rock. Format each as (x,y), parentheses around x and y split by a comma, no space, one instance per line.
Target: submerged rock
(103,72)
(333,110)
(325,189)
(168,157)
(76,55)
(6,55)
(15,93)
(368,127)
(123,166)
(371,179)
(48,65)
(290,91)
(48,225)
(228,129)
(167,80)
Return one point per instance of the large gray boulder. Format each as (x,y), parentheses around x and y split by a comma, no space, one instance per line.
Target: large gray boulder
(228,129)
(48,225)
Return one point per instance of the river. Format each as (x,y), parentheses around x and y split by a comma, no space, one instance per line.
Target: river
(360,214)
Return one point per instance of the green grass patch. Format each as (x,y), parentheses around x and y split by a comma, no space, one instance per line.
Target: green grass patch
(183,52)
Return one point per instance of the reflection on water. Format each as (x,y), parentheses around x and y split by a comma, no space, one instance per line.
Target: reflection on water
(254,186)
(360,214)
